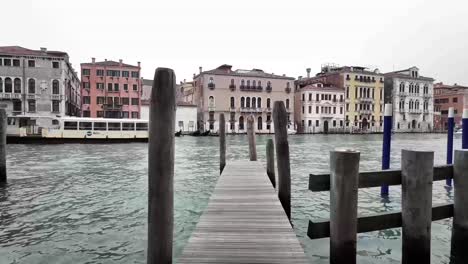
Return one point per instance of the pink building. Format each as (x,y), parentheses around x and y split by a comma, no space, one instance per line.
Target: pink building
(110,89)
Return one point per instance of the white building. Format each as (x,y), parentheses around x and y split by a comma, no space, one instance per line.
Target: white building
(412,96)
(319,109)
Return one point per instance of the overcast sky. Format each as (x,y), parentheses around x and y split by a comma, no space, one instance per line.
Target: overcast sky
(276,36)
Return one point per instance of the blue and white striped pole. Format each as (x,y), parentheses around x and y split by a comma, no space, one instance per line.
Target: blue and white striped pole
(387,142)
(465,129)
(450,126)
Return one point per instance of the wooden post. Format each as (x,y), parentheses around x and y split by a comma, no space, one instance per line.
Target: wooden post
(417,170)
(222,143)
(270,154)
(280,121)
(459,252)
(251,135)
(344,178)
(161,167)
(3,134)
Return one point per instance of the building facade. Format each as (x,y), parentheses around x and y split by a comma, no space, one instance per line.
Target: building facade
(363,91)
(111,89)
(239,94)
(38,82)
(446,96)
(319,108)
(412,97)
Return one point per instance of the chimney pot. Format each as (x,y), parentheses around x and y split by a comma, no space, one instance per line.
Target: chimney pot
(43,49)
(139,64)
(200,68)
(120,61)
(105,59)
(308,72)
(93,60)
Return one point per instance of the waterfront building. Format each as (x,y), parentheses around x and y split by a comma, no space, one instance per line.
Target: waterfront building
(38,82)
(412,97)
(110,89)
(446,96)
(319,108)
(240,94)
(363,91)
(186,92)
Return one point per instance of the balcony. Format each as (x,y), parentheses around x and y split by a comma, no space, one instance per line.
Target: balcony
(232,87)
(366,100)
(112,107)
(211,120)
(259,88)
(16,96)
(415,111)
(365,112)
(211,108)
(287,90)
(251,109)
(402,94)
(232,109)
(326,115)
(211,86)
(269,89)
(268,109)
(426,95)
(32,96)
(56,97)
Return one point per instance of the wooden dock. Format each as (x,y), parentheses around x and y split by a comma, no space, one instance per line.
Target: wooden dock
(244,222)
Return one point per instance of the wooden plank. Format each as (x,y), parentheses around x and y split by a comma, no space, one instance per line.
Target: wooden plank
(374,222)
(321,182)
(244,222)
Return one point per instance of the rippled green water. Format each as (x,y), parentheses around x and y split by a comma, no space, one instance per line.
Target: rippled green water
(88,203)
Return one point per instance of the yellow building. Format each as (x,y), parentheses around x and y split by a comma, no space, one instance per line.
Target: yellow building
(364,94)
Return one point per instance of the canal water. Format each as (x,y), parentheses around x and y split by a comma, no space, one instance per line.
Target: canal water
(88,203)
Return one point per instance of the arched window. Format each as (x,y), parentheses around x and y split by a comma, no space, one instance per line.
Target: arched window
(259,102)
(242,82)
(417,88)
(241,123)
(368,93)
(268,103)
(416,104)
(411,88)
(259,123)
(248,83)
(55,87)
(211,102)
(31,86)
(232,102)
(287,85)
(1,85)
(247,103)
(254,102)
(242,102)
(17,85)
(287,103)
(402,105)
(254,84)
(402,87)
(211,80)
(260,83)
(232,81)
(411,104)
(268,84)
(426,89)
(8,85)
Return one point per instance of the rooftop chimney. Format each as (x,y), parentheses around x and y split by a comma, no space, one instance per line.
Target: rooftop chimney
(139,64)
(105,59)
(200,68)
(44,49)
(120,62)
(299,78)
(308,72)
(194,75)
(184,80)
(93,60)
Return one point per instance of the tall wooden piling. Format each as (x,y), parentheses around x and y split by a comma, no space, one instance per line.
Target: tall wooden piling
(3,134)
(222,143)
(386,143)
(161,167)
(465,129)
(280,120)
(450,126)
(344,176)
(417,169)
(251,136)
(270,155)
(459,252)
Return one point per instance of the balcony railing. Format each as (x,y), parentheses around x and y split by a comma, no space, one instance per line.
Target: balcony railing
(211,108)
(211,86)
(365,112)
(267,109)
(112,106)
(269,89)
(251,109)
(402,94)
(366,100)
(415,111)
(56,97)
(426,95)
(232,87)
(287,90)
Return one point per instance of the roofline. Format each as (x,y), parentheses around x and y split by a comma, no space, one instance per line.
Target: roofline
(246,75)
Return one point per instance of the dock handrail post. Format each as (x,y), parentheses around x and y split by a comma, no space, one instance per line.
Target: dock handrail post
(251,136)
(161,167)
(450,126)
(270,154)
(387,143)
(280,122)
(344,177)
(458,252)
(222,143)
(465,129)
(3,134)
(417,169)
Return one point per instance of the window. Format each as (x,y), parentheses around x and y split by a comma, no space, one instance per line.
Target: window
(135,87)
(241,123)
(125,101)
(317,97)
(116,87)
(16,105)
(86,72)
(55,87)
(1,85)
(16,63)
(317,123)
(67,125)
(135,74)
(86,100)
(268,103)
(7,62)
(455,100)
(116,100)
(17,85)
(86,113)
(287,103)
(303,109)
(125,74)
(100,100)
(100,126)
(254,102)
(135,101)
(316,109)
(113,126)
(247,103)
(125,114)
(100,86)
(259,102)
(232,102)
(32,106)
(125,87)
(259,123)
(31,86)
(128,126)
(86,125)
(100,72)
(109,87)
(109,73)
(86,85)
(135,115)
(55,64)
(310,109)
(99,114)
(31,63)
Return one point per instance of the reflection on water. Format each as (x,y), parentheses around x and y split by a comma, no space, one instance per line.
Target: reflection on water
(87,203)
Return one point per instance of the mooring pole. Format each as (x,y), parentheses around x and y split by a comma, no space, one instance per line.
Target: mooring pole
(387,143)
(222,143)
(280,121)
(465,129)
(270,155)
(458,252)
(450,126)
(3,135)
(417,173)
(251,137)
(161,167)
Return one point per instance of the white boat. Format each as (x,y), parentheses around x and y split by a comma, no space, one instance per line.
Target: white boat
(459,132)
